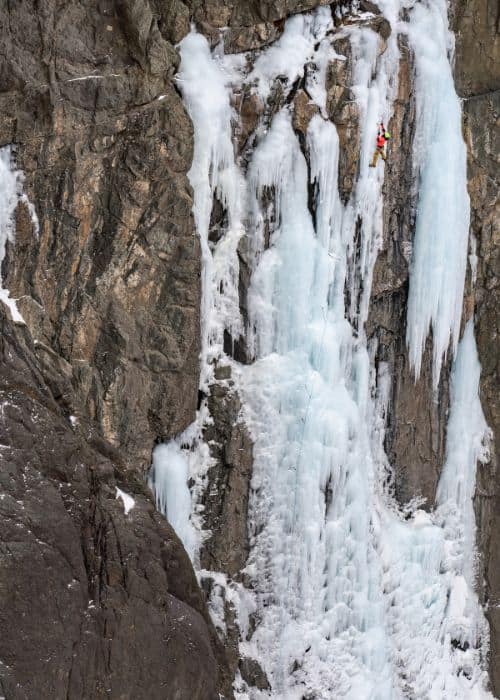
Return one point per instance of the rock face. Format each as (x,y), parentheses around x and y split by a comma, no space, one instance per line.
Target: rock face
(226,495)
(477,74)
(94,603)
(110,285)
(244,13)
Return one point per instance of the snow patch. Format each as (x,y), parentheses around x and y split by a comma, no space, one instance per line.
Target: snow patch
(128,501)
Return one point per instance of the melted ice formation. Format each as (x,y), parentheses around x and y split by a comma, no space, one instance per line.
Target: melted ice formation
(349,598)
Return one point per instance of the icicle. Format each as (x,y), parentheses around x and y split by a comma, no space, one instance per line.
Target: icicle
(433,611)
(440,244)
(467,443)
(128,501)
(473,259)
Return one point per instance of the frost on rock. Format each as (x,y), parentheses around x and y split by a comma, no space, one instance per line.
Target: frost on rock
(128,501)
(11,194)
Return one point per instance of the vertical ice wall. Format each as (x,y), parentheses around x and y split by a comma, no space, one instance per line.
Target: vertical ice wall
(350,598)
(313,561)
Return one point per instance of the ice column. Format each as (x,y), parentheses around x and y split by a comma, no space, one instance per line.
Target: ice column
(438,631)
(205,89)
(467,441)
(168,480)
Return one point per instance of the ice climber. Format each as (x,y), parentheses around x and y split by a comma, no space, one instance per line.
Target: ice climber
(382,137)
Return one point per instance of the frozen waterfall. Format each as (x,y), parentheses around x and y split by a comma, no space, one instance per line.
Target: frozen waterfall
(349,598)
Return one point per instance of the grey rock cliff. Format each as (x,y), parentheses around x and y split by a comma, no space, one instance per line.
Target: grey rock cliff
(95,603)
(477,75)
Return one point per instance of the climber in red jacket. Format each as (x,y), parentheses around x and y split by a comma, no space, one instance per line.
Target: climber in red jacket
(382,137)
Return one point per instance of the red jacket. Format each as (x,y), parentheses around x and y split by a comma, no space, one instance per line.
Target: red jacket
(380,141)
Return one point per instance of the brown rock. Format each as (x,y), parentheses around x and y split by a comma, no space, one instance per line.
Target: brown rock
(303,111)
(251,24)
(476,25)
(111,285)
(249,108)
(343,111)
(174,19)
(226,494)
(93,603)
(96,603)
(248,13)
(238,39)
(253,673)
(377,24)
